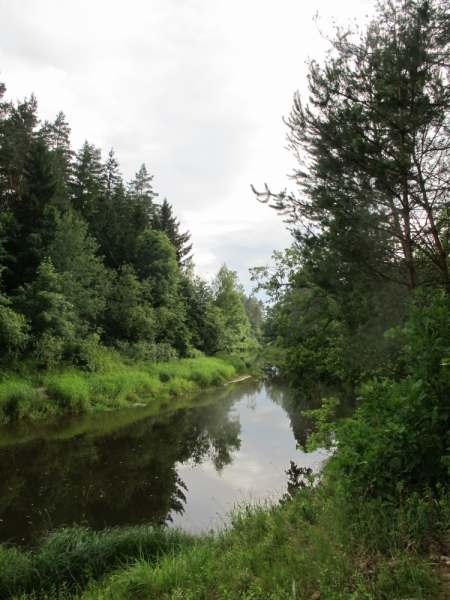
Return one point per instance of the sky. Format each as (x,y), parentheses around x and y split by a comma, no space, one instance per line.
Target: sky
(195,89)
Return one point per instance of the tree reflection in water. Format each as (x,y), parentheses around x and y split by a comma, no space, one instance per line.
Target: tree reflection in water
(127,477)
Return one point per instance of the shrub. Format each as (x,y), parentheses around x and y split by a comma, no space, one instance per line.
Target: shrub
(400,434)
(148,352)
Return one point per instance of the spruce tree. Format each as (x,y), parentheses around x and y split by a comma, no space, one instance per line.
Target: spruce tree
(163,220)
(57,136)
(88,181)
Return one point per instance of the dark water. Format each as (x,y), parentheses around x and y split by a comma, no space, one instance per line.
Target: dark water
(188,466)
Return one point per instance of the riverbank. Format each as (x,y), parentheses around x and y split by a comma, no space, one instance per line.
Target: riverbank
(33,395)
(310,546)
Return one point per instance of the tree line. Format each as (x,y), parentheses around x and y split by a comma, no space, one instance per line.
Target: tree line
(87,258)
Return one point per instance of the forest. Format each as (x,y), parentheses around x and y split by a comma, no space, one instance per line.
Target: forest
(359,306)
(87,259)
(89,263)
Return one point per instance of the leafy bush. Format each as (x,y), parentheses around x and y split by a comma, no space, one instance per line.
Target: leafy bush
(148,352)
(13,331)
(89,354)
(400,434)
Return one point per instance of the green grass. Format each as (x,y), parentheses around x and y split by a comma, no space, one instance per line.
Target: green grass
(20,400)
(68,559)
(313,546)
(115,385)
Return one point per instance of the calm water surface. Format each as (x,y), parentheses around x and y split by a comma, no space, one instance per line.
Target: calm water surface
(187,466)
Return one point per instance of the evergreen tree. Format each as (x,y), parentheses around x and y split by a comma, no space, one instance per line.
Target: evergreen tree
(17,124)
(113,178)
(88,181)
(141,196)
(163,220)
(373,147)
(112,220)
(33,225)
(39,187)
(57,136)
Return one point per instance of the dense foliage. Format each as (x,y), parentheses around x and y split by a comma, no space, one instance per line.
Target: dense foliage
(370,256)
(87,259)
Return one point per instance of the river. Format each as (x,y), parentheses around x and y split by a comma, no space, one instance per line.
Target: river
(187,467)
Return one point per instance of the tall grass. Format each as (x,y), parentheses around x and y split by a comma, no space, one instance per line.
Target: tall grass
(73,391)
(68,559)
(312,546)
(20,400)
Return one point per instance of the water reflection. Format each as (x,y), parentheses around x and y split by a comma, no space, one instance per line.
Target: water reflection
(270,433)
(126,477)
(180,466)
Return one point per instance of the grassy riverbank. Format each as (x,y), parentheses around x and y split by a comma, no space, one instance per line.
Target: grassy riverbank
(313,546)
(116,384)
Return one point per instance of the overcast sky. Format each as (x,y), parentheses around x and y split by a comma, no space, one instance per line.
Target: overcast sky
(195,89)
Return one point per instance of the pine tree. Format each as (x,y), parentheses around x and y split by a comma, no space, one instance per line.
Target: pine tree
(373,147)
(140,195)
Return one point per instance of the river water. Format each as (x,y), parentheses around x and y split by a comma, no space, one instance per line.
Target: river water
(187,466)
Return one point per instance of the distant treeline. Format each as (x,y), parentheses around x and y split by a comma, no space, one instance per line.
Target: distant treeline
(88,259)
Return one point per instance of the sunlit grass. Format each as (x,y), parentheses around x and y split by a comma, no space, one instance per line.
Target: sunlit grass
(115,385)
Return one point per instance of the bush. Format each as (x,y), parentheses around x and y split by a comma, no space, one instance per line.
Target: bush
(148,352)
(400,434)
(13,332)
